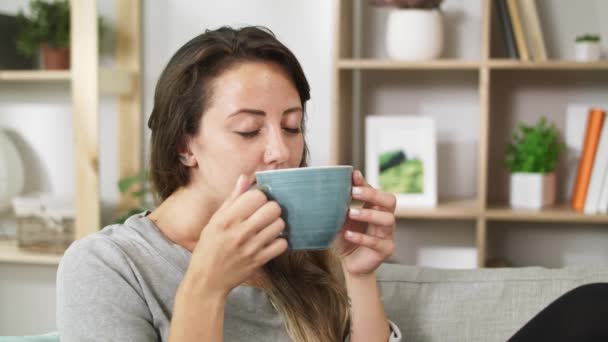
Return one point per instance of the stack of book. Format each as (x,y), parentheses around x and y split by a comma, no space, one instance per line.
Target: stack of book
(521,29)
(590,187)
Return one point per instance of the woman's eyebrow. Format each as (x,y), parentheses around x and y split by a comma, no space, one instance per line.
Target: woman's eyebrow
(263,113)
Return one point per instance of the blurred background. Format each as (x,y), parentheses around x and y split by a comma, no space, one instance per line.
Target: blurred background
(62,133)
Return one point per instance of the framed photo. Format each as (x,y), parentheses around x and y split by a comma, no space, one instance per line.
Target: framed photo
(401,157)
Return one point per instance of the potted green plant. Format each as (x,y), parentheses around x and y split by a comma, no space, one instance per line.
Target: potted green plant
(532,157)
(137,186)
(587,47)
(46,29)
(414,29)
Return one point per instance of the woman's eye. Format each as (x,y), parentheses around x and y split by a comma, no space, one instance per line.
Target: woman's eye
(292,130)
(248,135)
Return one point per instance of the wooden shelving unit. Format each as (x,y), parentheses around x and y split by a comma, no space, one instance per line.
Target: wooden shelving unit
(87,82)
(478,210)
(466,209)
(557,213)
(370,64)
(509,64)
(10,253)
(35,75)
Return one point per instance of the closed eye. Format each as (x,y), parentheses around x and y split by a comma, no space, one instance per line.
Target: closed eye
(293,130)
(248,135)
(253,134)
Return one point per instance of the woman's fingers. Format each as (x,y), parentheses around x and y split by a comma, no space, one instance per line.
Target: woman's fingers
(264,216)
(358,179)
(383,246)
(244,206)
(374,197)
(376,217)
(272,250)
(268,234)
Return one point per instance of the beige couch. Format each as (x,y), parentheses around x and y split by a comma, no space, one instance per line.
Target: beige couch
(473,305)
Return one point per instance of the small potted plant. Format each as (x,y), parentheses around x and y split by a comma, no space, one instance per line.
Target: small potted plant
(414,29)
(46,29)
(137,186)
(532,157)
(587,48)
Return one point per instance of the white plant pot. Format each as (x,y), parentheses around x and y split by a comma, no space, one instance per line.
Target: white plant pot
(532,190)
(414,34)
(587,51)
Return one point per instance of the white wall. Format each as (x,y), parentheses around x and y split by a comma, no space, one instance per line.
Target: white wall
(40,117)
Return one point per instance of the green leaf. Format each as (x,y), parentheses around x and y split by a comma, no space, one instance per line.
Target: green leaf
(126,183)
(534,148)
(48,22)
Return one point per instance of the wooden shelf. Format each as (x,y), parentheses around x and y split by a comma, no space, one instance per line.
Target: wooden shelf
(510,64)
(355,96)
(10,253)
(449,209)
(557,213)
(378,64)
(455,64)
(112,81)
(35,75)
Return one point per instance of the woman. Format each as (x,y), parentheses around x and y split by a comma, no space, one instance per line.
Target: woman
(209,263)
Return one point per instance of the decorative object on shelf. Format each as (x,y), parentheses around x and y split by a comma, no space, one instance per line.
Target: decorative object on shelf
(11,171)
(137,186)
(45,223)
(586,165)
(532,157)
(414,29)
(401,157)
(47,31)
(587,48)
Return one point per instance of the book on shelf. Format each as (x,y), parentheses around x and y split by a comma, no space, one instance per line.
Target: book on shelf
(598,173)
(602,207)
(518,29)
(595,121)
(507,29)
(532,31)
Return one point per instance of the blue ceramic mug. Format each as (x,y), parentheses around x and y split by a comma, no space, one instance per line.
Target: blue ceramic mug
(314,202)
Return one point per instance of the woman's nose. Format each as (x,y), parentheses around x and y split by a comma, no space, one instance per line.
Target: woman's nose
(276,150)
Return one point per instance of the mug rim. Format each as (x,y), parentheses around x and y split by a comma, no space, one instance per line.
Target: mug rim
(294,169)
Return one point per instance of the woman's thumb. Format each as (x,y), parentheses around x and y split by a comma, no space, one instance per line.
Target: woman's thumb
(242,184)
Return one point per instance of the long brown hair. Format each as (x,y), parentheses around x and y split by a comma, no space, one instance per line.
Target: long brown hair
(306,287)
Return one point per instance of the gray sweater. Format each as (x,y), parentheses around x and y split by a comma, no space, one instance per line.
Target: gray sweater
(119,285)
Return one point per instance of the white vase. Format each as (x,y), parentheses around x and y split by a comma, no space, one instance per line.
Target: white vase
(532,190)
(587,51)
(414,34)
(11,172)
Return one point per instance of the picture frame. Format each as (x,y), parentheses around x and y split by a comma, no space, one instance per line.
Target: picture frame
(401,158)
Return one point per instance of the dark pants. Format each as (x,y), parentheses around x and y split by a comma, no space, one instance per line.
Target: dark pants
(579,315)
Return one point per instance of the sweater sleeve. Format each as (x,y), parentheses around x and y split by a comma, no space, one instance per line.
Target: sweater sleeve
(99,297)
(395,335)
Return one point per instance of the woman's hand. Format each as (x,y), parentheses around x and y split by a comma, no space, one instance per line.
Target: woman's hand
(367,237)
(240,237)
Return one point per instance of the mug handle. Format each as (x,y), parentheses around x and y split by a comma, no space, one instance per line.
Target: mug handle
(266,190)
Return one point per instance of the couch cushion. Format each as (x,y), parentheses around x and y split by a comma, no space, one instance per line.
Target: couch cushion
(473,305)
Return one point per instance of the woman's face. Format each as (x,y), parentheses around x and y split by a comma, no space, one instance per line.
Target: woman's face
(253,123)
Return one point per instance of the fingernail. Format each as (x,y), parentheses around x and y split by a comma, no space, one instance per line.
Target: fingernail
(349,234)
(355,212)
(358,174)
(357,190)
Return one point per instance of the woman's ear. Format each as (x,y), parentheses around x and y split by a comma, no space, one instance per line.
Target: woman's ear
(186,156)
